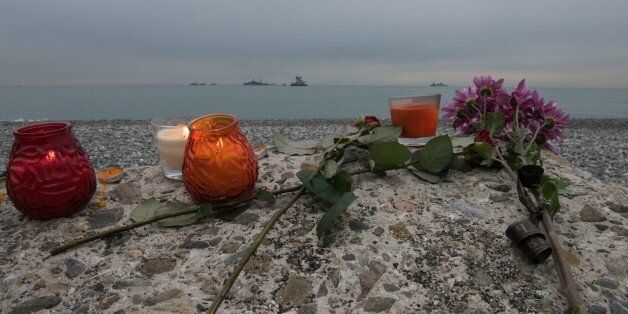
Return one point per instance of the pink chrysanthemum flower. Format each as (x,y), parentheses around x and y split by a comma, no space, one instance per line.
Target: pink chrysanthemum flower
(548,121)
(487,86)
(462,108)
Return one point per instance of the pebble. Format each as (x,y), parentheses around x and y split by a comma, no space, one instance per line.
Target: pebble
(322,290)
(158,265)
(378,304)
(162,296)
(400,232)
(229,247)
(36,304)
(294,292)
(334,277)
(596,309)
(246,218)
(103,218)
(499,198)
(259,264)
(378,231)
(596,145)
(73,267)
(127,193)
(349,257)
(369,277)
(589,214)
(499,186)
(619,307)
(235,257)
(618,208)
(190,244)
(107,301)
(358,225)
(607,283)
(406,206)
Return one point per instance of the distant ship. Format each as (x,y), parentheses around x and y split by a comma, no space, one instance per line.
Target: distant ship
(438,84)
(195,83)
(298,81)
(253,82)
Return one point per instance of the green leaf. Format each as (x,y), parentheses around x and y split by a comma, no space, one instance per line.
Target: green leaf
(319,186)
(177,221)
(549,191)
(334,212)
(436,154)
(462,141)
(349,156)
(329,140)
(230,215)
(264,195)
(289,147)
(381,134)
(145,210)
(431,178)
(455,163)
(342,181)
(493,122)
(372,165)
(390,154)
(204,211)
(486,152)
(331,166)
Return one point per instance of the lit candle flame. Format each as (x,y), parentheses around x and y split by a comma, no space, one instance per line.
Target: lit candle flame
(51,155)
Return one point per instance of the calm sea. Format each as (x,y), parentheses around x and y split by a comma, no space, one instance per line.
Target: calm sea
(254,102)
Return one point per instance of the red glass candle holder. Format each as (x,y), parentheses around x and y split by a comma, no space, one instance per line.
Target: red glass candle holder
(49,175)
(219,162)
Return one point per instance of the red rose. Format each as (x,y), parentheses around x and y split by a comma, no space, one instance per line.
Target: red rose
(484,136)
(368,120)
(372,119)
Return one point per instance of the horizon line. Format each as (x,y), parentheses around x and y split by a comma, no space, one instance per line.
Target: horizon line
(278,85)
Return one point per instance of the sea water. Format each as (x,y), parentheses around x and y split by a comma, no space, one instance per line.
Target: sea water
(255,102)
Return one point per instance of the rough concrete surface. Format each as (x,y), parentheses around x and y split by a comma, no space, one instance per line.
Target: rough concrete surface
(404,246)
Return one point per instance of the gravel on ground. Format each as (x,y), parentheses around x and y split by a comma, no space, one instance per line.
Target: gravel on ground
(599,146)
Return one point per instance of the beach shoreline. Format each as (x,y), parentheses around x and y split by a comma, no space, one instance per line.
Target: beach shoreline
(597,145)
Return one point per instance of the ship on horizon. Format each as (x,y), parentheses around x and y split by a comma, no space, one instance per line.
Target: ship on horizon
(197,83)
(298,81)
(438,84)
(253,82)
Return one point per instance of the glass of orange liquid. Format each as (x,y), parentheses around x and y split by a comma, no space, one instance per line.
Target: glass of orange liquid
(418,115)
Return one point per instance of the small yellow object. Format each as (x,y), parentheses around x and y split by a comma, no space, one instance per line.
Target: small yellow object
(111,175)
(1,197)
(102,203)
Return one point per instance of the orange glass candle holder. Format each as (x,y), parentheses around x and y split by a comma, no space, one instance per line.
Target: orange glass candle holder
(418,115)
(219,162)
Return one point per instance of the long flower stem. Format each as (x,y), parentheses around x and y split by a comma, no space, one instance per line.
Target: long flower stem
(260,237)
(112,231)
(115,230)
(252,249)
(568,284)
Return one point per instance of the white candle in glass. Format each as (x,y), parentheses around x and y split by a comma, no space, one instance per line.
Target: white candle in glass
(171,146)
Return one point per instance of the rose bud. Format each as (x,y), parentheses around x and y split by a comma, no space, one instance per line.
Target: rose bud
(371,121)
(484,136)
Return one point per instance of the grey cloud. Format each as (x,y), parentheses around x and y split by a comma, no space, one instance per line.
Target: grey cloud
(562,42)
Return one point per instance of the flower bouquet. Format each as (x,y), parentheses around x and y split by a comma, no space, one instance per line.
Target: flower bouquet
(511,130)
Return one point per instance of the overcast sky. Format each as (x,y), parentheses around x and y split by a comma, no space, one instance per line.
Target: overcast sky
(572,43)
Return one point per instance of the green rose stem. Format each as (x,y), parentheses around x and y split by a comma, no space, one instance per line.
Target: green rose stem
(112,231)
(260,237)
(569,287)
(251,250)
